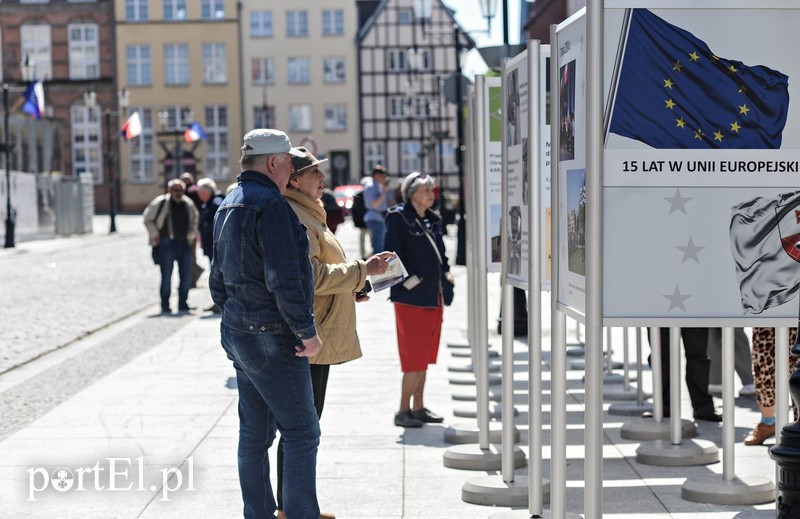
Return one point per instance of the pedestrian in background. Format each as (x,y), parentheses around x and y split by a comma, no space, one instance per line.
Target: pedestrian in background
(192,192)
(376,201)
(414,232)
(211,199)
(171,221)
(262,281)
(335,281)
(763,352)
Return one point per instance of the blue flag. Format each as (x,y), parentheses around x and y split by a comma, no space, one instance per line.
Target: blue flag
(673,92)
(34,100)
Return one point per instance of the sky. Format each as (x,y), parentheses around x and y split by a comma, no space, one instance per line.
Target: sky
(468,15)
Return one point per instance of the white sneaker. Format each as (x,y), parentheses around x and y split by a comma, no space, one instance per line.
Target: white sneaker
(748,390)
(715,388)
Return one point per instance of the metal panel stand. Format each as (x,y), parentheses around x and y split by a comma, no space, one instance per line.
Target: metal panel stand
(466,354)
(728,488)
(470,368)
(676,452)
(495,412)
(466,396)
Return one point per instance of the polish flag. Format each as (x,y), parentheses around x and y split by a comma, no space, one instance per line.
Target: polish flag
(132,127)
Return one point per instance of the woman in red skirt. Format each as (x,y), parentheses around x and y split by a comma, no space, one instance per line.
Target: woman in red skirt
(414,232)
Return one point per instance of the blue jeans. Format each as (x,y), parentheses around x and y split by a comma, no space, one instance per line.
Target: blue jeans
(274,392)
(377,233)
(169,251)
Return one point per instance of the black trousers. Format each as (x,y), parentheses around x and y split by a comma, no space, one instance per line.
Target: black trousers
(319,380)
(695,347)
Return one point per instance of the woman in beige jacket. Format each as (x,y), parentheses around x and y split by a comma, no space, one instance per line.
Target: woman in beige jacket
(336,280)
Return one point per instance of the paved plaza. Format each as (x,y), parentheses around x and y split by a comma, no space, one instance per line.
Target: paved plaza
(141,410)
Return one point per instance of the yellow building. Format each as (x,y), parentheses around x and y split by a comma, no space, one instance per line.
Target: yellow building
(300,75)
(180,61)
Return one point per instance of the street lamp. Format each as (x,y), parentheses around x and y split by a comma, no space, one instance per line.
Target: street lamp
(177,133)
(27,71)
(123,101)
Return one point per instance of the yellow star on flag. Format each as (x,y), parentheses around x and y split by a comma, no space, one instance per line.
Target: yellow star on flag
(743,109)
(732,69)
(668,83)
(735,127)
(670,103)
(677,66)
(680,123)
(718,136)
(694,57)
(698,134)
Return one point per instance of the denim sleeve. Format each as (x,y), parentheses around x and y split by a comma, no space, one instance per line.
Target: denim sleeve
(287,269)
(216,284)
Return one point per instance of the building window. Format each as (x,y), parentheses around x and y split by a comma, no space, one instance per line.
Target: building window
(397,107)
(336,117)
(374,154)
(216,129)
(405,16)
(35,41)
(215,64)
(421,107)
(409,159)
(84,62)
(300,118)
(334,71)
(211,9)
(296,23)
(396,59)
(420,59)
(299,71)
(260,24)
(142,161)
(136,10)
(174,9)
(332,22)
(138,65)
(86,157)
(263,72)
(176,64)
(178,117)
(264,116)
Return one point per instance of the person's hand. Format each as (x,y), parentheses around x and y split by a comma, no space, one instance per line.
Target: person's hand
(378,263)
(361,298)
(310,347)
(154,239)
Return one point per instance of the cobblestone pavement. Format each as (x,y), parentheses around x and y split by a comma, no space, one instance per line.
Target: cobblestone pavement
(57,291)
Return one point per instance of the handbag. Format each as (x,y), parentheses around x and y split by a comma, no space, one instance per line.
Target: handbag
(155,254)
(154,251)
(447,284)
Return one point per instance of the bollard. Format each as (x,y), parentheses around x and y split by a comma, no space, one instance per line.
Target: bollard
(786,454)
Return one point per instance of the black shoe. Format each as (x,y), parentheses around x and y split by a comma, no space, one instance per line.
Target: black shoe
(214,308)
(708,415)
(166,310)
(185,308)
(425,415)
(406,419)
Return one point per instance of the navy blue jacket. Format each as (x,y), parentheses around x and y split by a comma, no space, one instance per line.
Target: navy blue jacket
(405,236)
(261,276)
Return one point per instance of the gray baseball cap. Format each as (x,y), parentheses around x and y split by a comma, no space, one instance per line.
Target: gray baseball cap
(266,141)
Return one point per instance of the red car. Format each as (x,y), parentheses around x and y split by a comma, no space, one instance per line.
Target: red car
(344,195)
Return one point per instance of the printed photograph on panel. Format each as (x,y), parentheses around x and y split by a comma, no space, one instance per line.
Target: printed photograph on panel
(494,232)
(515,241)
(567,112)
(576,217)
(513,110)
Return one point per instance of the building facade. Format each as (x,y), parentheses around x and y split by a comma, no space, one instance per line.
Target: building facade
(180,61)
(69,47)
(408,51)
(299,75)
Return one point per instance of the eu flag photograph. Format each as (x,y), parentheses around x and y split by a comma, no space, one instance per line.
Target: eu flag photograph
(674,92)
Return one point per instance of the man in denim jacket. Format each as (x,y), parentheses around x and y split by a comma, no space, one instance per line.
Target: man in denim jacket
(261,280)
